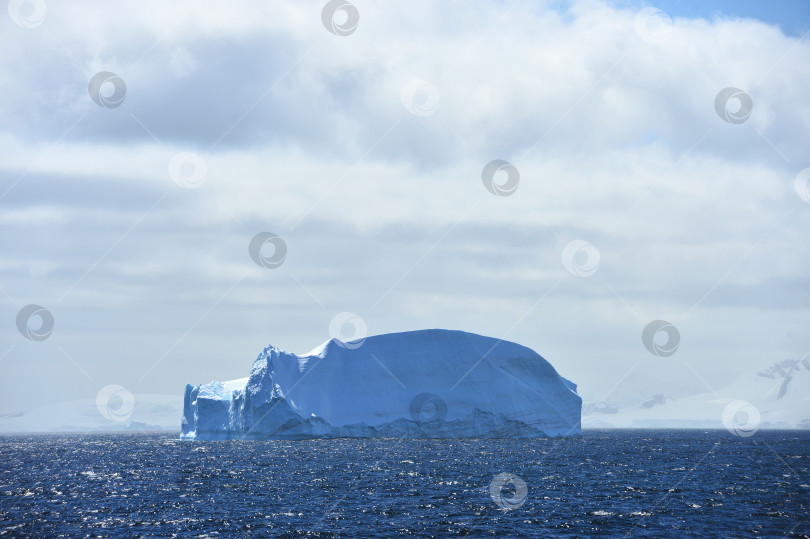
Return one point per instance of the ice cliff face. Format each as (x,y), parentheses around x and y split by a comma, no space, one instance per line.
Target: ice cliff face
(418,384)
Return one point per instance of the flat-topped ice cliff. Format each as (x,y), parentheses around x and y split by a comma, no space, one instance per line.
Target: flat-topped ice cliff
(418,384)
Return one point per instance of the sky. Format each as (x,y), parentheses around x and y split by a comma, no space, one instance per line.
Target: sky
(182,184)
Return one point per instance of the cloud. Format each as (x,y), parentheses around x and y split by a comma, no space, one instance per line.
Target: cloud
(365,152)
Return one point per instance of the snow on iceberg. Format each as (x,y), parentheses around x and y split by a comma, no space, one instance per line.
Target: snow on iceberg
(417,384)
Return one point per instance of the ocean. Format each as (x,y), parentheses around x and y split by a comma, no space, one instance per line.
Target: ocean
(629,483)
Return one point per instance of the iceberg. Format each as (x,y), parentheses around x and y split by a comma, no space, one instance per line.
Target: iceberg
(419,384)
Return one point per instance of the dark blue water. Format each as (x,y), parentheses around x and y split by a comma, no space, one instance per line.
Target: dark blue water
(616,483)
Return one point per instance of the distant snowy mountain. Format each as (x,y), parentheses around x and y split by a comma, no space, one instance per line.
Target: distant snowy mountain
(143,412)
(778,395)
(643,384)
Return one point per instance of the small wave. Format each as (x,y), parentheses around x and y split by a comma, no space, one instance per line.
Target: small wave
(601,513)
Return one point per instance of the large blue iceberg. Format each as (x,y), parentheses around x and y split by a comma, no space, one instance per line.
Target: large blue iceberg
(417,384)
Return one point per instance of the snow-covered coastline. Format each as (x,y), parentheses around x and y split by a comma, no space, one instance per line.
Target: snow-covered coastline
(776,396)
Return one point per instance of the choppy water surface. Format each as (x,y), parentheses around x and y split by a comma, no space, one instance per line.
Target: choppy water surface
(623,483)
